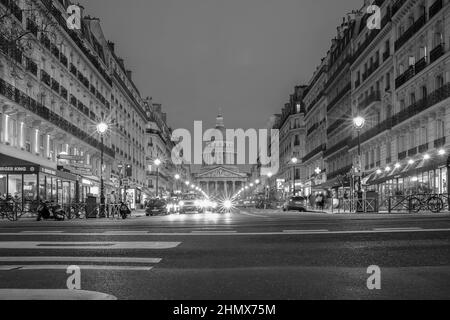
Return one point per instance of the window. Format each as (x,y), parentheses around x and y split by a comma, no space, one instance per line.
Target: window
(412,98)
(440,129)
(424,92)
(439,82)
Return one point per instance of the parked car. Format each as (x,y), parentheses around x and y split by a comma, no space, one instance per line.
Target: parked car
(156,207)
(296,204)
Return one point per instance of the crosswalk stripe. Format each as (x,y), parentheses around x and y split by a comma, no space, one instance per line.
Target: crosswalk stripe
(304,231)
(149,245)
(82,267)
(81,259)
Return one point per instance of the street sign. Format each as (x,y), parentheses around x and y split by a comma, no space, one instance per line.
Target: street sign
(125,182)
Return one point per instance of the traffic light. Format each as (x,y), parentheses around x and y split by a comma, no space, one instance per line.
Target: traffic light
(129,170)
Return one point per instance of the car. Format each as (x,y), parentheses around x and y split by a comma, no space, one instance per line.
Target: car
(191,206)
(296,204)
(156,207)
(173,206)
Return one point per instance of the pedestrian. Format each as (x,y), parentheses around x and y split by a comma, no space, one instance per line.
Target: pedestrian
(112,202)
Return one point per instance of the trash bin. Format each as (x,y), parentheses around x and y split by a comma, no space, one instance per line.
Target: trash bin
(91,207)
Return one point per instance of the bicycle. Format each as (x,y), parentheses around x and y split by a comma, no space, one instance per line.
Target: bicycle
(433,203)
(9,209)
(76,211)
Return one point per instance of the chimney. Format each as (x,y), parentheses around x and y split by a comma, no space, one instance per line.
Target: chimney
(121,62)
(111,46)
(81,10)
(129,74)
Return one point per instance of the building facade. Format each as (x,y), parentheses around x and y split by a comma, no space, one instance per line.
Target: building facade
(396,78)
(56,86)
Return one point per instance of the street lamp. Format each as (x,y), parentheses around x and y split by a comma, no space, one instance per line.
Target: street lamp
(359,123)
(177,177)
(294,162)
(102,129)
(157,163)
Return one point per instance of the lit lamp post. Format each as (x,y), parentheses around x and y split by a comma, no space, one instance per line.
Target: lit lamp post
(269,176)
(359,123)
(102,129)
(294,162)
(177,178)
(157,163)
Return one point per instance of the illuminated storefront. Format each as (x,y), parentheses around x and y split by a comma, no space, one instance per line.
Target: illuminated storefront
(28,183)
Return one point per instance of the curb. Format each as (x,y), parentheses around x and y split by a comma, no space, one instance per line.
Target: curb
(54,295)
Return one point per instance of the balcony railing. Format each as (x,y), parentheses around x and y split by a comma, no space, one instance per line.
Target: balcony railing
(436,53)
(410,32)
(42,111)
(402,155)
(314,152)
(371,98)
(412,152)
(340,95)
(423,148)
(338,146)
(405,77)
(420,65)
(397,5)
(435,8)
(438,143)
(336,125)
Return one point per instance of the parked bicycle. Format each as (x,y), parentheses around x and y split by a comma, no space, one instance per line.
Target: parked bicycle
(432,203)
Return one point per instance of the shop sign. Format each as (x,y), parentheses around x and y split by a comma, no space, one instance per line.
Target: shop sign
(19,169)
(70,157)
(48,171)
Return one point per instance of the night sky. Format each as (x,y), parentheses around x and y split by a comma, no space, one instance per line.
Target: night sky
(244,56)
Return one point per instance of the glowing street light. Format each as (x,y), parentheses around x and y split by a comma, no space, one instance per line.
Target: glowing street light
(359,122)
(102,129)
(157,163)
(442,152)
(427,157)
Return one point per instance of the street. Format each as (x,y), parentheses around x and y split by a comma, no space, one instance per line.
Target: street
(246,255)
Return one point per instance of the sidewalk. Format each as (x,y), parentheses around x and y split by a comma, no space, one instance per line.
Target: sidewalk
(53,295)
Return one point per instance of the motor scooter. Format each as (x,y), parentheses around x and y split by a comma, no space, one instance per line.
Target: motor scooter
(50,211)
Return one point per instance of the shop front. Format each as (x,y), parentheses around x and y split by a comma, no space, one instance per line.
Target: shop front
(418,178)
(29,183)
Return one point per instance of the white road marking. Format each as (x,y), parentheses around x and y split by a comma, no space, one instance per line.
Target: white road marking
(305,231)
(81,259)
(252,214)
(88,245)
(8,268)
(82,267)
(397,229)
(125,233)
(406,230)
(39,232)
(214,231)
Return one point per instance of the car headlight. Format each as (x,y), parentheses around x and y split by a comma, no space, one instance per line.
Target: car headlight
(227,204)
(181,203)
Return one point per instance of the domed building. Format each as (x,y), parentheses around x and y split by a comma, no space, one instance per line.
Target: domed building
(219,176)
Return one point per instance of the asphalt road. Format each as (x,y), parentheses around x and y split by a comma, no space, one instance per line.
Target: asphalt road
(246,255)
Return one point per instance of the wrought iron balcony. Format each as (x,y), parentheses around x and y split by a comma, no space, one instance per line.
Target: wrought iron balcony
(405,77)
(438,143)
(22,99)
(435,8)
(423,148)
(410,32)
(436,53)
